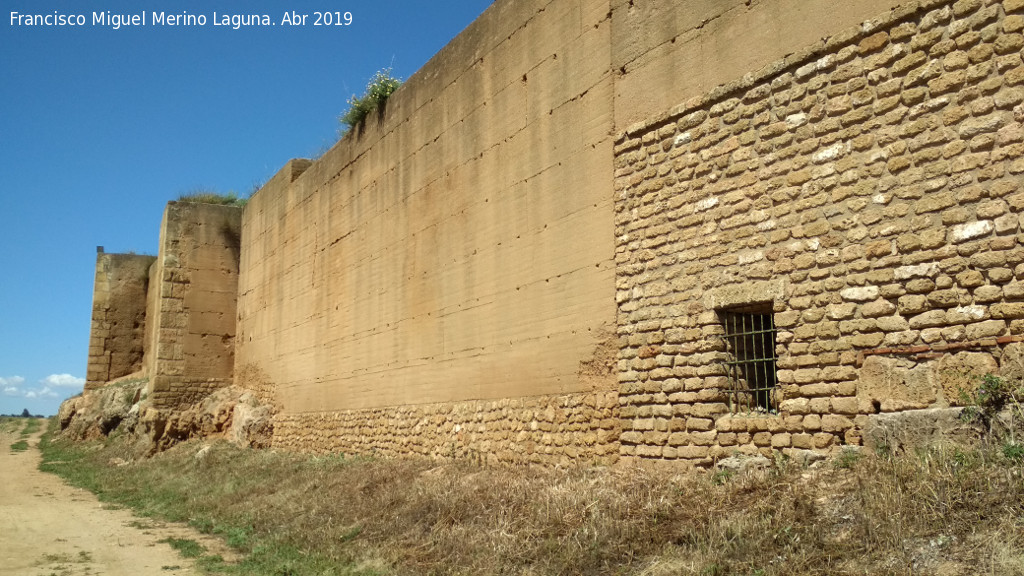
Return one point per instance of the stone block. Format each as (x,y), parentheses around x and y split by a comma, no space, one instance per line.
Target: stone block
(987,329)
(928,319)
(783,440)
(823,440)
(905,431)
(1007,310)
(835,423)
(812,422)
(795,406)
(860,294)
(877,308)
(845,406)
(896,379)
(915,304)
(1011,362)
(692,452)
(961,373)
(820,405)
(970,230)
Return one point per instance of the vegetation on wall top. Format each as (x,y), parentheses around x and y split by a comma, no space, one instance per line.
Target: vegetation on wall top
(378,90)
(211,197)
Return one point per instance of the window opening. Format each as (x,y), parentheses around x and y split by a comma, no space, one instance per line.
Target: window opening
(751,362)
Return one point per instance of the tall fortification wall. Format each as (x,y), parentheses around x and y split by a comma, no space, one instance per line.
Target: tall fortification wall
(118,317)
(443,282)
(444,258)
(190,313)
(590,230)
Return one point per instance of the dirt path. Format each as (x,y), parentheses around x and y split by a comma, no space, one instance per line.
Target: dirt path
(49,528)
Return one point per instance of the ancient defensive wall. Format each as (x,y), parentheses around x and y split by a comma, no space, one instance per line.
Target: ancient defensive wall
(118,317)
(590,230)
(193,285)
(171,318)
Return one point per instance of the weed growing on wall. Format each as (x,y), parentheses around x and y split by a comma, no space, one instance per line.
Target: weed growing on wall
(379,89)
(993,397)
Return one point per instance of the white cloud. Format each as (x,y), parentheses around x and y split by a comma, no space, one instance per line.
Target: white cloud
(12,381)
(53,386)
(63,381)
(45,392)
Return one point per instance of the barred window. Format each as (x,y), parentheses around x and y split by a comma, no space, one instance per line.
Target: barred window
(751,360)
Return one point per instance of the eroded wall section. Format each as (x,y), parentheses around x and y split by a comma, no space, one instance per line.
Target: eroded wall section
(868,194)
(118,317)
(193,291)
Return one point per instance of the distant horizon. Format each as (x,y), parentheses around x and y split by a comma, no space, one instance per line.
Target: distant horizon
(107,122)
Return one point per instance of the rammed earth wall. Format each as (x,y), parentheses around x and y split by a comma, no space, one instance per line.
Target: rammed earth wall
(442,278)
(868,190)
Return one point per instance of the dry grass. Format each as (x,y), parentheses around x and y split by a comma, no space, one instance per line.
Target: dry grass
(942,512)
(201,196)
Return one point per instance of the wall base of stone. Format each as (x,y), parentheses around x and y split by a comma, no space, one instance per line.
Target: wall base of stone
(176,393)
(900,432)
(571,428)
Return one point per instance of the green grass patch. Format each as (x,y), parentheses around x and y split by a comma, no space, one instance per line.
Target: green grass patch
(19,446)
(186,547)
(24,427)
(32,425)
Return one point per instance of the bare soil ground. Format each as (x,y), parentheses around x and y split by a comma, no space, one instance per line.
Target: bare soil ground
(49,528)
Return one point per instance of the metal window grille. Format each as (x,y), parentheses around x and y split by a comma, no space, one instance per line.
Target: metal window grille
(750,365)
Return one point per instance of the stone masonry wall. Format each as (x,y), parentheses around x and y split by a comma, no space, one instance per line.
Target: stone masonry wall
(195,281)
(543,430)
(118,317)
(870,191)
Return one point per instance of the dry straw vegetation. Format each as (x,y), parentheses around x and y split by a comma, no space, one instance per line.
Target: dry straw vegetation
(213,197)
(953,511)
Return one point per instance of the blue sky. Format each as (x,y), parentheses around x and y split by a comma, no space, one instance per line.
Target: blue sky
(99,128)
